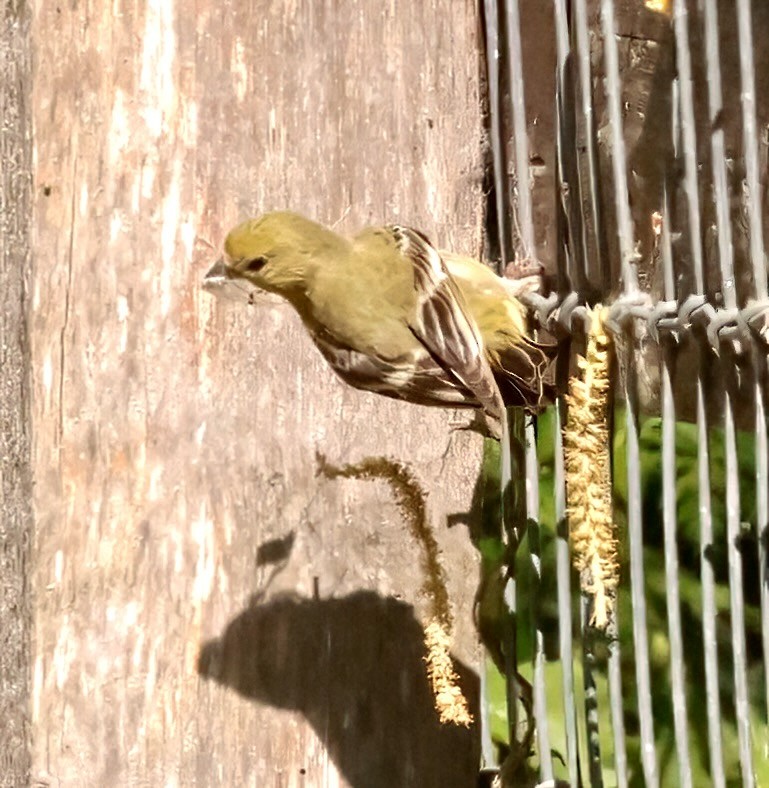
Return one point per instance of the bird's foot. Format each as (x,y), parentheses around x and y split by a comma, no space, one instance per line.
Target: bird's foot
(524,276)
(478,423)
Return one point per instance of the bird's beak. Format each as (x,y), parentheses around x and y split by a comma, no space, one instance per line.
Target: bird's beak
(217,274)
(222,282)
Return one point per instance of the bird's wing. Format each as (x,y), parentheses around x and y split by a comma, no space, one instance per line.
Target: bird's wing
(442,323)
(421,381)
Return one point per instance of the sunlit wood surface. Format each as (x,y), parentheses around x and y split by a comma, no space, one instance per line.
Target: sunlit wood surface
(173,434)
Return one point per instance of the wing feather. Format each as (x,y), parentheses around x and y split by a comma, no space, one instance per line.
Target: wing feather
(443,325)
(421,380)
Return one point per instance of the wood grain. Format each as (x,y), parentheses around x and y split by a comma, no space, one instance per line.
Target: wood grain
(15,370)
(174,435)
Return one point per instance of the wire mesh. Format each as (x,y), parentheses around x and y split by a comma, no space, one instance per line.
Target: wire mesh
(663,221)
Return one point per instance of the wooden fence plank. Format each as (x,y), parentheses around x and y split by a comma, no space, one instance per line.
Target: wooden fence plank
(174,435)
(15,454)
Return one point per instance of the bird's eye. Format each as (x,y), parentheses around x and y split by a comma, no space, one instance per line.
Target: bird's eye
(252,266)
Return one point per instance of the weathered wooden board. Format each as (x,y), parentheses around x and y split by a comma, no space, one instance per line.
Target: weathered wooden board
(15,453)
(174,435)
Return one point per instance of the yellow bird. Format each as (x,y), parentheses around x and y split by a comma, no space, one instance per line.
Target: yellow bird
(393,315)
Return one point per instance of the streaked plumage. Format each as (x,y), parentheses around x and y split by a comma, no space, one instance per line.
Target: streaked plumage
(394,316)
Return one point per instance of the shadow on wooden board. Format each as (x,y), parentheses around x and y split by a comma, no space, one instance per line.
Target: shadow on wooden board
(354,668)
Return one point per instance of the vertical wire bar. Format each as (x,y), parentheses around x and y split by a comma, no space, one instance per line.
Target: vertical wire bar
(563,568)
(533,532)
(491,19)
(736,600)
(495,122)
(562,556)
(750,142)
(523,214)
(752,177)
(591,699)
(689,137)
(630,286)
(510,597)
(618,158)
(708,586)
(513,516)
(736,597)
(571,264)
(680,721)
(561,18)
(637,584)
(625,231)
(671,572)
(586,95)
(760,292)
(718,154)
(726,265)
(616,705)
(617,711)
(687,132)
(518,107)
(762,517)
(488,754)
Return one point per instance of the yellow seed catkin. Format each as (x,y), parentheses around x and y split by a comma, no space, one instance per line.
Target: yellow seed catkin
(450,702)
(588,476)
(659,6)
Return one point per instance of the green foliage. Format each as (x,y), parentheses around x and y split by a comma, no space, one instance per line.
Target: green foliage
(539,599)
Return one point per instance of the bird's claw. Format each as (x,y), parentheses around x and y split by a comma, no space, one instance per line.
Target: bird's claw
(477,423)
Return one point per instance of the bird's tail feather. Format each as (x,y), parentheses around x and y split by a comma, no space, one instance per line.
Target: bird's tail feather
(525,374)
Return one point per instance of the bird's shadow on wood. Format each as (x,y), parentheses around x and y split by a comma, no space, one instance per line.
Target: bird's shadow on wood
(354,667)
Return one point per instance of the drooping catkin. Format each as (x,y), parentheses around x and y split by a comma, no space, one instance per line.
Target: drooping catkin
(450,702)
(588,475)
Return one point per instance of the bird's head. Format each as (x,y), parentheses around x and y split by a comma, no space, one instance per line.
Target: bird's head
(277,252)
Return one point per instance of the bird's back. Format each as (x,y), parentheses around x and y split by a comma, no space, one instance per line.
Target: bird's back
(377,286)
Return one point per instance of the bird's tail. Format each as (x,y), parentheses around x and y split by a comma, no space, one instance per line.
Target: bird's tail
(525,374)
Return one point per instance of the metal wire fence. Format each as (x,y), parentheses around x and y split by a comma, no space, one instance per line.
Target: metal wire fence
(667,226)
